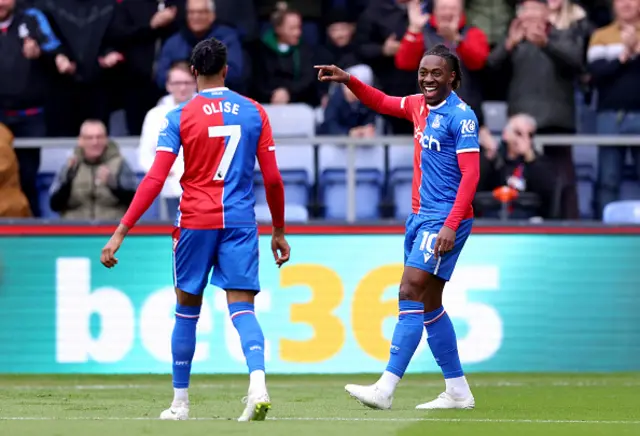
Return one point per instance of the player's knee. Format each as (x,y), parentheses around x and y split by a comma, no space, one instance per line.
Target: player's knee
(411,290)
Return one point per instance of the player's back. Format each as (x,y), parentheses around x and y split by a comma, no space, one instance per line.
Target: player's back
(219,132)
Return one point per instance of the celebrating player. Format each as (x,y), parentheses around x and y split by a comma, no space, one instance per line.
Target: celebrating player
(446,172)
(221,133)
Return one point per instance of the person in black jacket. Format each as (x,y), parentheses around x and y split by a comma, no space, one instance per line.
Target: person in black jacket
(140,27)
(28,48)
(516,164)
(377,40)
(284,64)
(81,91)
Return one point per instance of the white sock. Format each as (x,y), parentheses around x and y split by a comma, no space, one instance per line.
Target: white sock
(180,395)
(257,382)
(458,387)
(388,382)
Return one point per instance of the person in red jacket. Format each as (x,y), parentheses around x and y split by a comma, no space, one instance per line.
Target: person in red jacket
(448,26)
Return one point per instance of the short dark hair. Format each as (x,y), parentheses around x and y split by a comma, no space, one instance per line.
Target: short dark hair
(209,57)
(452,60)
(180,65)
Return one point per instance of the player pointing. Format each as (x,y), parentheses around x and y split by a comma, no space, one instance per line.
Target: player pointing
(221,133)
(446,172)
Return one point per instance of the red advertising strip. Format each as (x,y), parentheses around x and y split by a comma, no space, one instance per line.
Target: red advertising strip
(312,229)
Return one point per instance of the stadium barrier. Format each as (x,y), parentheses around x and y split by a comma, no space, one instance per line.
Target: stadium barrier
(351,143)
(534,298)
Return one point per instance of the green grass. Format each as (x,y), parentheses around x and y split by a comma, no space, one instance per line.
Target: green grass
(506,404)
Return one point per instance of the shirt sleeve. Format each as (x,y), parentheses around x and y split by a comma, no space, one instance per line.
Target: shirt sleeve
(169,136)
(465,131)
(274,187)
(380,102)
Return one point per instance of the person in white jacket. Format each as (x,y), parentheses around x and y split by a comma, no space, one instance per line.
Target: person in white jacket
(181,86)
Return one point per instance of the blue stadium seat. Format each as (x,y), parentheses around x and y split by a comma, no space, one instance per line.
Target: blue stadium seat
(43,184)
(495,115)
(293,120)
(368,194)
(585,184)
(335,157)
(401,183)
(400,157)
(293,213)
(622,212)
(630,186)
(296,187)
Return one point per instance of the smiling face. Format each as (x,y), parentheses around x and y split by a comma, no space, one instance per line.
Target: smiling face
(435,78)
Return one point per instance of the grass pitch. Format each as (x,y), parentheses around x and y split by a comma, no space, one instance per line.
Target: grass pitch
(506,404)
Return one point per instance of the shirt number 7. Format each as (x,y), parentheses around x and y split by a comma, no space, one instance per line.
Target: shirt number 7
(233,132)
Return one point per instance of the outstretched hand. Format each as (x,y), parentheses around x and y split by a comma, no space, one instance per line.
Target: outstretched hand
(331,73)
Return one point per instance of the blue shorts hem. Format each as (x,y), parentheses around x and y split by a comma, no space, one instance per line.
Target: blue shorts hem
(426,268)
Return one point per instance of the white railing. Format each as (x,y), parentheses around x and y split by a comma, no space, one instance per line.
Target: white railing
(351,143)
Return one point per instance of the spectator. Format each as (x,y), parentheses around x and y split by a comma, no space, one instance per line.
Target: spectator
(516,164)
(28,48)
(13,203)
(201,24)
(81,90)
(614,63)
(544,64)
(377,41)
(345,114)
(311,13)
(140,28)
(492,17)
(181,86)
(284,64)
(242,14)
(339,48)
(446,26)
(96,183)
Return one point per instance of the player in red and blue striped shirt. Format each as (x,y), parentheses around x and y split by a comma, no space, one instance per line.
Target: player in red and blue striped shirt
(221,134)
(446,169)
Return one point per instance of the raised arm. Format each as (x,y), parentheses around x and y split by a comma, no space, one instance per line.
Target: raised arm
(371,97)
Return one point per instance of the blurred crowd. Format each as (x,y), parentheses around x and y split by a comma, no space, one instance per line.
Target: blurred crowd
(67,65)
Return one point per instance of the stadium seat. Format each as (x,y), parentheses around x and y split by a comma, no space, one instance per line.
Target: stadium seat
(368,193)
(401,183)
(630,186)
(585,185)
(585,159)
(400,157)
(622,212)
(296,188)
(293,213)
(495,115)
(293,120)
(43,183)
(335,157)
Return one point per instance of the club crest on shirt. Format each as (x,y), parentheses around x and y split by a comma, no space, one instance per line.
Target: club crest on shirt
(436,123)
(165,124)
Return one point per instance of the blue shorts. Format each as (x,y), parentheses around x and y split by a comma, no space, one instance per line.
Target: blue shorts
(419,240)
(232,253)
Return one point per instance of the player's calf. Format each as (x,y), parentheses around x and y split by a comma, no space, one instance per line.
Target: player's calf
(252,341)
(183,346)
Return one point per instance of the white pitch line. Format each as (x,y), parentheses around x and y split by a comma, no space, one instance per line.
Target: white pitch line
(305,385)
(338,419)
